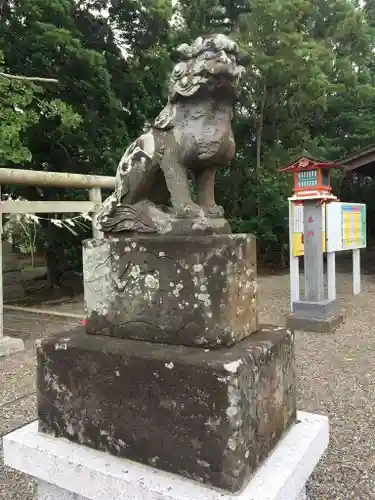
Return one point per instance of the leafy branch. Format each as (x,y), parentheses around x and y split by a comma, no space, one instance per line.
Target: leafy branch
(28,78)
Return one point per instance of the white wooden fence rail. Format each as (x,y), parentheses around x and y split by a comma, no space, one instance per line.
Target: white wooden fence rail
(93,183)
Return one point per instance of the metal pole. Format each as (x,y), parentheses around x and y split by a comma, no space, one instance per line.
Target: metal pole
(95,195)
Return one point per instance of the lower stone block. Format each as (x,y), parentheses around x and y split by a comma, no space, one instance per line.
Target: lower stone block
(323,309)
(318,317)
(316,325)
(210,415)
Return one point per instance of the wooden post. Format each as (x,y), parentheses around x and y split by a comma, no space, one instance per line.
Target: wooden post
(10,176)
(293,263)
(331,275)
(94,183)
(312,228)
(356,271)
(95,195)
(1,273)
(8,345)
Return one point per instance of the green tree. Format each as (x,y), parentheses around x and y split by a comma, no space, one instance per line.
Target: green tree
(20,108)
(306,89)
(108,94)
(309,87)
(15,117)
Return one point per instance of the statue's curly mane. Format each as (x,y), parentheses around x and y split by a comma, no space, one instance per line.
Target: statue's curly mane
(199,65)
(197,60)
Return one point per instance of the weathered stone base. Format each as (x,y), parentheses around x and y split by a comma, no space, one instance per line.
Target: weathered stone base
(323,309)
(316,325)
(10,345)
(319,317)
(197,290)
(210,415)
(68,471)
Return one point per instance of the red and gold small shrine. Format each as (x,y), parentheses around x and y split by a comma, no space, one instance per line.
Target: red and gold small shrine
(312,178)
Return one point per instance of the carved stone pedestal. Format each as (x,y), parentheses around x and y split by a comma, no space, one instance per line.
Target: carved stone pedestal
(209,415)
(193,290)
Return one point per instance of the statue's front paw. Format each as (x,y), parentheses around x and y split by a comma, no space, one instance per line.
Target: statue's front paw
(189,210)
(214,211)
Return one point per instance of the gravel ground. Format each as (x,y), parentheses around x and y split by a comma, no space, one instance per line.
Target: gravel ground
(17,390)
(336,378)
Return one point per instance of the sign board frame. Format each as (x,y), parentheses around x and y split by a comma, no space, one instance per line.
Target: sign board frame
(346,226)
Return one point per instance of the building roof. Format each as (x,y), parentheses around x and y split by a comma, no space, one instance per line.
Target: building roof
(362,161)
(307,163)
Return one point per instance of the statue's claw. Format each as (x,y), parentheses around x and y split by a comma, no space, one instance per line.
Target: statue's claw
(189,210)
(214,211)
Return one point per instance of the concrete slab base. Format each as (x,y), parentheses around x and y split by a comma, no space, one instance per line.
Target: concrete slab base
(10,345)
(320,317)
(68,471)
(323,309)
(47,491)
(318,325)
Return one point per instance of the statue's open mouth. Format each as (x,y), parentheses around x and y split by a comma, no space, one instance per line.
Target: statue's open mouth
(223,78)
(229,72)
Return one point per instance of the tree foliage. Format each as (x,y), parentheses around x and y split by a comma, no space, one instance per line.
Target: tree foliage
(309,87)
(102,98)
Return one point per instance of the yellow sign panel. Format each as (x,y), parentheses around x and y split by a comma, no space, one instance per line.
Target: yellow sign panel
(297,229)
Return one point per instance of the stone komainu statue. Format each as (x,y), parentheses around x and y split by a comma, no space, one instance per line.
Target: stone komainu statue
(191,136)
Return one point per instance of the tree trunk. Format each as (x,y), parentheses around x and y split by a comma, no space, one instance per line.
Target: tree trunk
(32,257)
(53,273)
(259,139)
(259,146)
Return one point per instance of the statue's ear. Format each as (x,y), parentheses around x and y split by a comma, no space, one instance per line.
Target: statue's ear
(243,58)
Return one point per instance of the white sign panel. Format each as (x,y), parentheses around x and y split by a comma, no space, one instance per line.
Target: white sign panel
(346,226)
(298,219)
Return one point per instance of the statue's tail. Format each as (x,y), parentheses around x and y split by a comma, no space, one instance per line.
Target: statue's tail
(125,209)
(116,218)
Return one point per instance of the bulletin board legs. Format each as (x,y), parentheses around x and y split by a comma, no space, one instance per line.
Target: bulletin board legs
(294,281)
(331,275)
(356,271)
